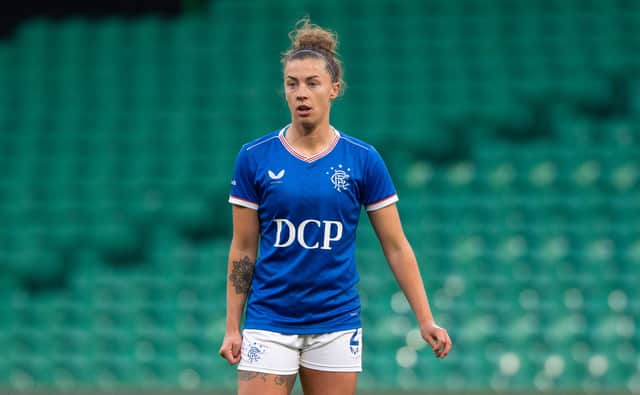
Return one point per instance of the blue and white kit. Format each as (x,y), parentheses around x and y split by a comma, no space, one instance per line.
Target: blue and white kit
(308,207)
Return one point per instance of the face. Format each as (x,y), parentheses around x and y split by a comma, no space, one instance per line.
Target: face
(309,90)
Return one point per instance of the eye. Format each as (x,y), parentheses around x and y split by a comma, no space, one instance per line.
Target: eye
(291,84)
(313,83)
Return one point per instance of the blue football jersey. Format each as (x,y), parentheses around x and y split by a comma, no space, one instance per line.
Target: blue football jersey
(305,276)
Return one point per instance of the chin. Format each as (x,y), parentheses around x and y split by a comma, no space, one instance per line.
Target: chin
(307,122)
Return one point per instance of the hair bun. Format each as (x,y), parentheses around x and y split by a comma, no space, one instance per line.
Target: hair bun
(308,35)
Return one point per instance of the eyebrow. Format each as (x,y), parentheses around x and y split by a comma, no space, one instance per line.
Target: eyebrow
(308,78)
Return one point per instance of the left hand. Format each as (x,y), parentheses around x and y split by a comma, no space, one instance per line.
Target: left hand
(437,337)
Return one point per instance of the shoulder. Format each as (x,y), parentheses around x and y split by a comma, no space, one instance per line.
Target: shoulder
(355,143)
(364,149)
(260,143)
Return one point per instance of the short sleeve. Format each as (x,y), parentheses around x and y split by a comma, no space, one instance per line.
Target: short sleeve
(243,187)
(378,189)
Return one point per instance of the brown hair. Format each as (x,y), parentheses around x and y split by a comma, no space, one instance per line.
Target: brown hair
(312,41)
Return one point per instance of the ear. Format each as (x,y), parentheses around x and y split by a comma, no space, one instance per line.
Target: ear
(335,90)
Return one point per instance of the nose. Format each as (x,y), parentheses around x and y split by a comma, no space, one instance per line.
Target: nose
(302,92)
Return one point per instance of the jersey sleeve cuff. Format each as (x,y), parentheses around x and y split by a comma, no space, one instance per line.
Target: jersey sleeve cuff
(242,202)
(382,203)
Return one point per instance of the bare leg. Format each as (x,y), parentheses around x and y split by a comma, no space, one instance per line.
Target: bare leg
(254,383)
(317,382)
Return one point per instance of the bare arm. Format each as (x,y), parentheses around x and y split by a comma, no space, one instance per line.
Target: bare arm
(403,264)
(242,258)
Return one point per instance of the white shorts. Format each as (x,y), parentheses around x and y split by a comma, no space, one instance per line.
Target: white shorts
(282,354)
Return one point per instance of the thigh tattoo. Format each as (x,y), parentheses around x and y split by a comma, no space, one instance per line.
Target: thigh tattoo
(286,380)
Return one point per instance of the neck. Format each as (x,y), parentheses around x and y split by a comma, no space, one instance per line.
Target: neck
(309,139)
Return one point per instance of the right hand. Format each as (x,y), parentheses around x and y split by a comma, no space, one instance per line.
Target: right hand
(231,347)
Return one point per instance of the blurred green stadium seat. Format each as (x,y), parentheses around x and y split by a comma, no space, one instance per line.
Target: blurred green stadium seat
(508,135)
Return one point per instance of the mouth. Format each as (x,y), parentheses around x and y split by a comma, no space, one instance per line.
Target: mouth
(303,110)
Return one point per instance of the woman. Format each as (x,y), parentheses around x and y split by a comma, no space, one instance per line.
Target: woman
(296,197)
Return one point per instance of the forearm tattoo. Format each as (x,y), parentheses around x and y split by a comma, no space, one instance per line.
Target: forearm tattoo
(287,381)
(241,275)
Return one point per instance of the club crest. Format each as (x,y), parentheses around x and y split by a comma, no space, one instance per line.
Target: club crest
(339,177)
(254,352)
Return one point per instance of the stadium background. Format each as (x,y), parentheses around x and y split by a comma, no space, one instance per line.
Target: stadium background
(511,128)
